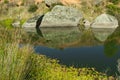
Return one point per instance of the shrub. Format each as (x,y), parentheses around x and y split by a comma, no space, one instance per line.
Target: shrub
(22,22)
(6,1)
(12,58)
(32,8)
(6,23)
(114,1)
(113,9)
(43,68)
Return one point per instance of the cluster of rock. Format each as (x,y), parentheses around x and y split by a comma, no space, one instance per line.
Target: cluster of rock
(60,17)
(68,18)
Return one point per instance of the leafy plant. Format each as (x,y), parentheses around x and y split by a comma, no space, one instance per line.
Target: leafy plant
(6,23)
(114,1)
(6,1)
(32,8)
(113,9)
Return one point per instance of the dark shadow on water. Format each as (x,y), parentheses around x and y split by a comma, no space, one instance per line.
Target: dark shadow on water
(111,45)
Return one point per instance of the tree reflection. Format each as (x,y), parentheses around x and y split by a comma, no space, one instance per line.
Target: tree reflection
(111,45)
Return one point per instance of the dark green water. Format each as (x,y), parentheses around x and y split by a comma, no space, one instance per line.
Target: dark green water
(83,57)
(103,57)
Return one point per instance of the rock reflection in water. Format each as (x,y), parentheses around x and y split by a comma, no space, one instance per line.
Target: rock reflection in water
(102,33)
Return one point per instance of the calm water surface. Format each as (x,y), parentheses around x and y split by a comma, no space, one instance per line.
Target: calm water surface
(83,57)
(103,58)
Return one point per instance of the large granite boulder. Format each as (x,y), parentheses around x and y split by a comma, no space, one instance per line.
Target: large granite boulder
(62,16)
(103,26)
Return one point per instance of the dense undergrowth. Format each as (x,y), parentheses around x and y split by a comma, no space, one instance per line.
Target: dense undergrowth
(21,63)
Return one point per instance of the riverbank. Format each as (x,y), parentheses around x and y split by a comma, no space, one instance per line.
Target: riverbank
(21,63)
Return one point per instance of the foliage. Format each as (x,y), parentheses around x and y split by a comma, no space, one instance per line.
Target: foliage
(6,1)
(6,23)
(12,58)
(43,68)
(113,9)
(32,8)
(114,1)
(22,21)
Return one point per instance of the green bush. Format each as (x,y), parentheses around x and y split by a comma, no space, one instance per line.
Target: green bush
(114,1)
(113,9)
(6,1)
(43,68)
(22,22)
(13,59)
(6,23)
(32,8)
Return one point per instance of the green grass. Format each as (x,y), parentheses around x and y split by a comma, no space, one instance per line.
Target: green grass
(12,58)
(7,22)
(49,69)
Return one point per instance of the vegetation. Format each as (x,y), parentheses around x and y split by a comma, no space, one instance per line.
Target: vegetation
(113,9)
(32,8)
(115,1)
(6,22)
(90,11)
(19,62)
(6,1)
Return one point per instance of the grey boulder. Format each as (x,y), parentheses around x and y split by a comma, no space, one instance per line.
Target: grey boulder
(103,26)
(62,16)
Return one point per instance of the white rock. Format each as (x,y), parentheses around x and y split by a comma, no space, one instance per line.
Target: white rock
(103,26)
(105,21)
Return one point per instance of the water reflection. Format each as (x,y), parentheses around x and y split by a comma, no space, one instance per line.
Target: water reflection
(111,45)
(82,57)
(94,56)
(102,33)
